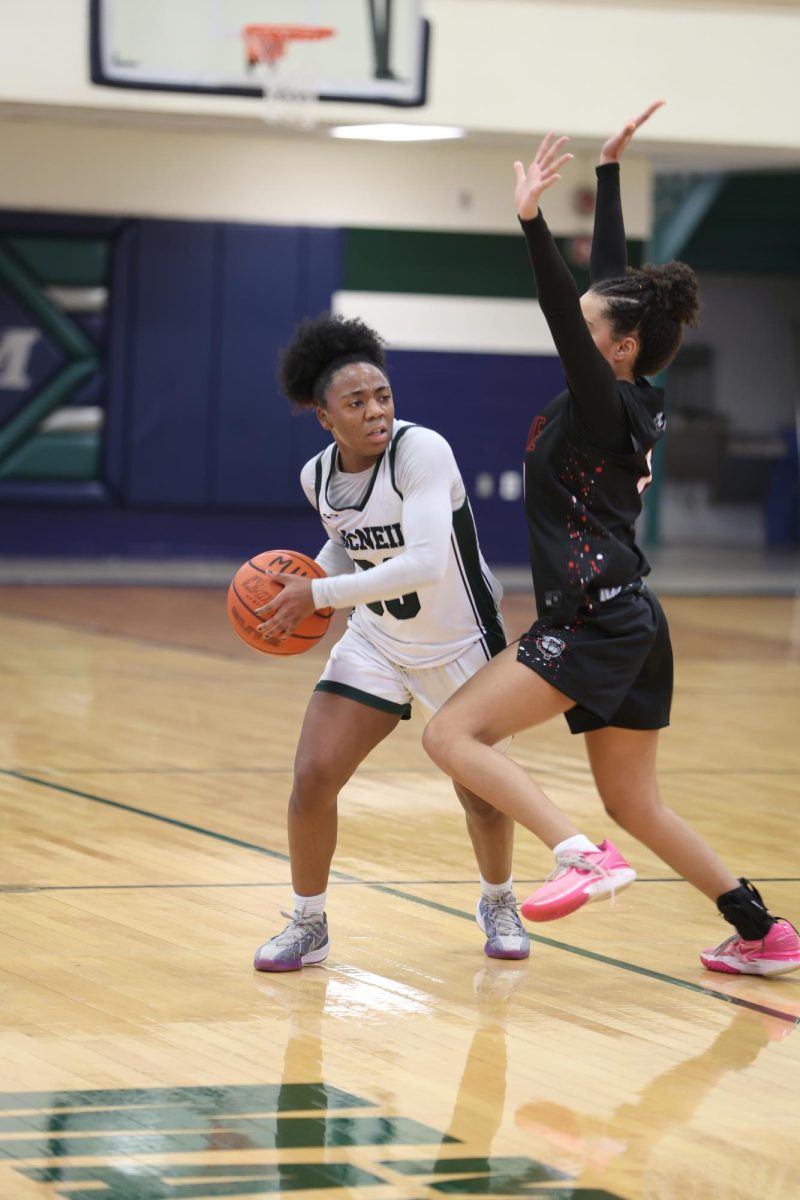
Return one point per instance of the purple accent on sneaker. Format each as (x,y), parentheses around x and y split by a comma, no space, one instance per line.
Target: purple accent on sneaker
(293,964)
(492,952)
(506,936)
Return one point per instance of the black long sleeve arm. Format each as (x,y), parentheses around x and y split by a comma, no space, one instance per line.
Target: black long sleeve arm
(609,248)
(590,378)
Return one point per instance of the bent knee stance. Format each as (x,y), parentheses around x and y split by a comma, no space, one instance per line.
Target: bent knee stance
(438,740)
(634,809)
(316,784)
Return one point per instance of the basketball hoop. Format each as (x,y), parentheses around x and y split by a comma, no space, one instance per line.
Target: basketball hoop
(284,103)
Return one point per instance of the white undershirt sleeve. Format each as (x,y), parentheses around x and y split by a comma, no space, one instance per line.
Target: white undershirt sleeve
(425,471)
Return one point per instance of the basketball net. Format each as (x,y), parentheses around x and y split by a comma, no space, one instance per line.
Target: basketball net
(283,103)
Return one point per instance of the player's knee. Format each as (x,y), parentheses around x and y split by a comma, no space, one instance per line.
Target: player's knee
(316,784)
(617,808)
(630,809)
(437,741)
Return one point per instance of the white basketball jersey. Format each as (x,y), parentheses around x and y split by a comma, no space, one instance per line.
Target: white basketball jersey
(435,623)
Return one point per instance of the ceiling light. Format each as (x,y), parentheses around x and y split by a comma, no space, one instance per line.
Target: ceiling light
(397,132)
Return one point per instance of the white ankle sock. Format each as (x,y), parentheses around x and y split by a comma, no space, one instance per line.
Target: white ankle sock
(578,842)
(493,891)
(310,906)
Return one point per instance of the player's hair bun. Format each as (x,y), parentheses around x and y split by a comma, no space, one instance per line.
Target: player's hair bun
(655,302)
(320,345)
(676,288)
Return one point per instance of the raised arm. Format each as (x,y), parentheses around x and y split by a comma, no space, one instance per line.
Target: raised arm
(609,248)
(590,378)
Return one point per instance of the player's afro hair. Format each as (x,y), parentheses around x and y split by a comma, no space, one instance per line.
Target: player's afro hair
(319,347)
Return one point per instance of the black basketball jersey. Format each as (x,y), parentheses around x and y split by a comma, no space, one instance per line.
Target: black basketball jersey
(582,502)
(587,459)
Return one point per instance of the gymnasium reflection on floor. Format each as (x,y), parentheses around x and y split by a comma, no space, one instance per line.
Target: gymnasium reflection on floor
(307,1135)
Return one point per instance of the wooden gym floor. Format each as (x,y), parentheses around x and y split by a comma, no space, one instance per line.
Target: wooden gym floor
(145,764)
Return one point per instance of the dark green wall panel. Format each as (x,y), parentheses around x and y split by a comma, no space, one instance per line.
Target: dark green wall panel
(55,456)
(401,260)
(753,227)
(446,264)
(72,262)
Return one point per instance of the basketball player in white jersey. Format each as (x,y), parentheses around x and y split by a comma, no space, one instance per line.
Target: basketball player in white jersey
(403,554)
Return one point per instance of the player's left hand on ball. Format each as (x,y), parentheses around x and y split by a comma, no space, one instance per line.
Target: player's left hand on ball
(285,611)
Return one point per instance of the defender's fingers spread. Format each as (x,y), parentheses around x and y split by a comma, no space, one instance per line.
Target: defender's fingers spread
(543,147)
(556,166)
(554,149)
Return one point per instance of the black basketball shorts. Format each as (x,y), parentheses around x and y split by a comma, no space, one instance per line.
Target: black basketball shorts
(615,663)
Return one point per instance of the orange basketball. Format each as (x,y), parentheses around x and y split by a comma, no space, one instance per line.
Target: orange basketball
(253,585)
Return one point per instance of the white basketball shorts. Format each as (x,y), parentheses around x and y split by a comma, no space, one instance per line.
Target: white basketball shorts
(357,670)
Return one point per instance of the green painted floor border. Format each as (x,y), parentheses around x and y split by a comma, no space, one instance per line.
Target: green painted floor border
(388,890)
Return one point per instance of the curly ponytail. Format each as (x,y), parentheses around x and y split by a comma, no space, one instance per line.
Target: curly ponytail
(655,303)
(318,348)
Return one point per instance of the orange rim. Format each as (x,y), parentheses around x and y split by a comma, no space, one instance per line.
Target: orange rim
(267,43)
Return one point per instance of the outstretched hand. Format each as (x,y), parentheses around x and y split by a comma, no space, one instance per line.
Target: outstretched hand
(614,148)
(540,175)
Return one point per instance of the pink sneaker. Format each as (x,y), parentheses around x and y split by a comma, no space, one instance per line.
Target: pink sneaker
(776,954)
(580,877)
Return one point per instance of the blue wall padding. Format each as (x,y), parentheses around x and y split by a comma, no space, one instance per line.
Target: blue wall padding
(42,510)
(175,344)
(249,458)
(198,315)
(75,519)
(91,393)
(94,325)
(120,347)
(270,278)
(483,404)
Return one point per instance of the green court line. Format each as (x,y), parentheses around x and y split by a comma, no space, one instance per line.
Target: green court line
(603,958)
(15,889)
(153,816)
(388,890)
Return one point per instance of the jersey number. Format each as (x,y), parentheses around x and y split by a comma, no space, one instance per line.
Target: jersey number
(403,609)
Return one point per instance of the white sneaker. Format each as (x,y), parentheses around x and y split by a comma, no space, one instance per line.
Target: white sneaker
(302,943)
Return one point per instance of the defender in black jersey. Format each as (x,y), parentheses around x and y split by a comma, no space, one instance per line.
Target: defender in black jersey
(600,650)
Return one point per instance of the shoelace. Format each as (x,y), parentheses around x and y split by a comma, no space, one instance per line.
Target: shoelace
(728,943)
(297,924)
(578,860)
(575,858)
(737,937)
(504,914)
